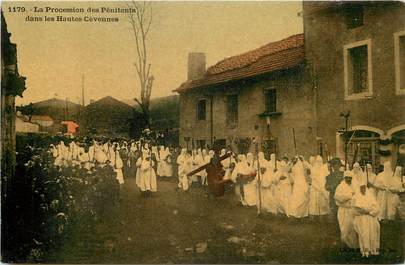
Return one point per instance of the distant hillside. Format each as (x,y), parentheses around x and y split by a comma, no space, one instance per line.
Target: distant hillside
(54,102)
(153,101)
(57,109)
(164,111)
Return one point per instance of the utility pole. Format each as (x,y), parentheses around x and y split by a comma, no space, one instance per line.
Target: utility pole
(67,109)
(83,90)
(212,120)
(346,116)
(65,112)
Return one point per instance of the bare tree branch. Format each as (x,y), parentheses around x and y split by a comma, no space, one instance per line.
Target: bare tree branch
(147,73)
(141,21)
(150,22)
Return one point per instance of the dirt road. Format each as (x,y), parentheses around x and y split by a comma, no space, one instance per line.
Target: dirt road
(189,227)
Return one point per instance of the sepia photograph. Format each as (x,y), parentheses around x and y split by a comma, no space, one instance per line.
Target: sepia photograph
(203,132)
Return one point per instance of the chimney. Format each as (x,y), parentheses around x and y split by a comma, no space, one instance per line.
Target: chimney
(196,65)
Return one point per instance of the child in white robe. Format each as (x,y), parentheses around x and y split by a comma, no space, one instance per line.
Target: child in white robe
(365,222)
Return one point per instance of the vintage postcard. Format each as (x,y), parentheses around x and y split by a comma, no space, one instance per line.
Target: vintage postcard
(203,132)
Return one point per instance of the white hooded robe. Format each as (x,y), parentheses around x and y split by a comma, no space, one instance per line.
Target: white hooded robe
(366,224)
(318,195)
(283,189)
(267,185)
(299,200)
(343,198)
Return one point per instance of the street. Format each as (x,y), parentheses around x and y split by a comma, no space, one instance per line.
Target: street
(189,227)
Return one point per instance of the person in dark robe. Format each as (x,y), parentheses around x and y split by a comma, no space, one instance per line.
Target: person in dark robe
(332,181)
(215,175)
(124,154)
(155,162)
(175,154)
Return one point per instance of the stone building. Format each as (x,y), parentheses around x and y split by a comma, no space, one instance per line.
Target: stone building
(355,53)
(350,60)
(256,96)
(42,120)
(23,124)
(12,85)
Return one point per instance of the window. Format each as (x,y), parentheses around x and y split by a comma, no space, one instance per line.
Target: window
(358,65)
(353,16)
(270,97)
(357,70)
(399,45)
(363,148)
(201,109)
(232,110)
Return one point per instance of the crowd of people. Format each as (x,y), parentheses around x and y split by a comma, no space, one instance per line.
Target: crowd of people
(132,159)
(298,188)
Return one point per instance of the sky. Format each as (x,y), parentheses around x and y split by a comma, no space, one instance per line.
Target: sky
(54,56)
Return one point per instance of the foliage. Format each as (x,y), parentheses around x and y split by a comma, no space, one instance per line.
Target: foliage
(13,84)
(44,201)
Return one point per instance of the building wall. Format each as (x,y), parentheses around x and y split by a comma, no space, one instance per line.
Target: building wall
(8,135)
(325,35)
(22,126)
(42,123)
(12,85)
(294,101)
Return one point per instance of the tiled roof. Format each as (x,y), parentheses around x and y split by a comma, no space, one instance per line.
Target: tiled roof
(273,56)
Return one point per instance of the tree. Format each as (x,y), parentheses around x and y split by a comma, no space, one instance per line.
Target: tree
(26,110)
(141,21)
